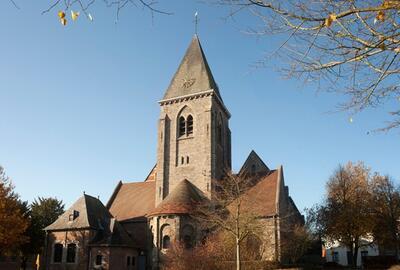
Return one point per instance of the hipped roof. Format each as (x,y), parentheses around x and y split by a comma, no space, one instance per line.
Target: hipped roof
(92,214)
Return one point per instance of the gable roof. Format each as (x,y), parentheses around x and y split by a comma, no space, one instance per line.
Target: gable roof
(193,75)
(180,201)
(259,165)
(261,198)
(91,214)
(132,200)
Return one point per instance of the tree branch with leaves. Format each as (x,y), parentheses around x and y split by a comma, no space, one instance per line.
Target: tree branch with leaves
(13,220)
(349,47)
(76,7)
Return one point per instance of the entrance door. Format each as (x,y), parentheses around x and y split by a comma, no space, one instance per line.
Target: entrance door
(142,262)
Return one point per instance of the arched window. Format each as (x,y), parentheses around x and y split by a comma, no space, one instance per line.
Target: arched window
(165,233)
(219,133)
(189,125)
(182,126)
(71,253)
(255,246)
(187,239)
(166,242)
(57,253)
(188,236)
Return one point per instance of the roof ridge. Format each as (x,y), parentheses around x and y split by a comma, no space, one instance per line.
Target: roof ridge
(114,194)
(93,197)
(85,196)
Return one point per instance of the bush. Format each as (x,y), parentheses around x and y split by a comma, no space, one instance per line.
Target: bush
(216,253)
(378,262)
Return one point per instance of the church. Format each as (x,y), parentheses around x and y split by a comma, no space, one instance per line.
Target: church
(141,219)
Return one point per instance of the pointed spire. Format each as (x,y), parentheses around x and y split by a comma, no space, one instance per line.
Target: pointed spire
(193,75)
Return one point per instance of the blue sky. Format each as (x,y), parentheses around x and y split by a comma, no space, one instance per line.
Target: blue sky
(79,111)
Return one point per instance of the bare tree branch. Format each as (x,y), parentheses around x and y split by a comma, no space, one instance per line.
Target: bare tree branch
(348,47)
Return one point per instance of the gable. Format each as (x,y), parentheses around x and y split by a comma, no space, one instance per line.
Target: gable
(261,198)
(253,166)
(152,175)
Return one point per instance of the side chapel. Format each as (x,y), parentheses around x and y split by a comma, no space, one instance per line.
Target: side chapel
(141,219)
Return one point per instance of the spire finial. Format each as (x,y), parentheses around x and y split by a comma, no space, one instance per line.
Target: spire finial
(196,22)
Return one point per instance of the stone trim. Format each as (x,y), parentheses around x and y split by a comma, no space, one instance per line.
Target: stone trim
(206,93)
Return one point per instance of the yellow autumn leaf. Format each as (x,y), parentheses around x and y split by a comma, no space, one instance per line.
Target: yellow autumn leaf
(63,21)
(61,14)
(74,15)
(331,18)
(389,3)
(380,16)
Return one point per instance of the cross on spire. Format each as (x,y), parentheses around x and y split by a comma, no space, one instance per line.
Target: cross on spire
(196,22)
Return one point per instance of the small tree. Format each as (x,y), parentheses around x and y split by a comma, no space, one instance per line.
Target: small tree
(207,255)
(345,216)
(13,223)
(216,252)
(297,243)
(386,212)
(230,212)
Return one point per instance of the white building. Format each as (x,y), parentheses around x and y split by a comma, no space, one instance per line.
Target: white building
(337,252)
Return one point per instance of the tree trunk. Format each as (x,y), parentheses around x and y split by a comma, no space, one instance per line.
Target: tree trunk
(23,264)
(397,248)
(238,266)
(355,255)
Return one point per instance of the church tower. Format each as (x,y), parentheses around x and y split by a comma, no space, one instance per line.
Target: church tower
(194,139)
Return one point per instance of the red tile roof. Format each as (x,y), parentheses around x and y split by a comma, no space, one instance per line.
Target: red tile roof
(261,198)
(181,200)
(133,200)
(137,200)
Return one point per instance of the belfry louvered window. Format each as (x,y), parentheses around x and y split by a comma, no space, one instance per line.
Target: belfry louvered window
(189,125)
(219,133)
(182,126)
